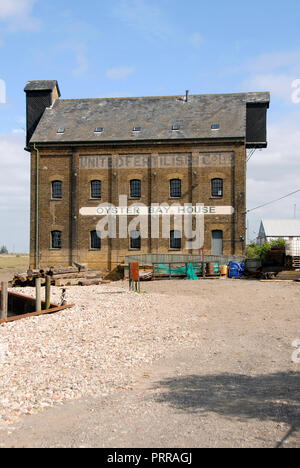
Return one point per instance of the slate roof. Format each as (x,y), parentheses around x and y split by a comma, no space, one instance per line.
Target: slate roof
(281,227)
(41,85)
(155,116)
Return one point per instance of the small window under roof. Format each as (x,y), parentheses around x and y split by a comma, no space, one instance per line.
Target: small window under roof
(98,129)
(137,129)
(176,127)
(61,130)
(215,126)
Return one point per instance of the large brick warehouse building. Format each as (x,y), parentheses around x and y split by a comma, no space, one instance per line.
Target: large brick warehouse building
(87,152)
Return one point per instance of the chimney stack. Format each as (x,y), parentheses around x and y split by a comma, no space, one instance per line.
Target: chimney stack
(39,95)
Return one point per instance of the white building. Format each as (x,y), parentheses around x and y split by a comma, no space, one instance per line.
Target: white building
(287,229)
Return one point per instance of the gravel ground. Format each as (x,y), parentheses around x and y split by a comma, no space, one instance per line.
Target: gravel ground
(187,364)
(87,350)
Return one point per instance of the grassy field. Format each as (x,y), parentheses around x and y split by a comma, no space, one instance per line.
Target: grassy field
(11,264)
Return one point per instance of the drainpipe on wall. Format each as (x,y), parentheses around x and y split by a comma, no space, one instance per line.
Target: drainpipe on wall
(37,259)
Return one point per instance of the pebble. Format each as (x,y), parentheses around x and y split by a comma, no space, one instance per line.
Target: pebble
(81,351)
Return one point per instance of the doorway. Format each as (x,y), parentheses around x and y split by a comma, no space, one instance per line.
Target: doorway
(217,242)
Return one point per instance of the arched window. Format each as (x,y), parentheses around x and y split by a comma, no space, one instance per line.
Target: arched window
(135,240)
(96,189)
(95,241)
(175,188)
(217,188)
(56,239)
(56,189)
(135,188)
(175,240)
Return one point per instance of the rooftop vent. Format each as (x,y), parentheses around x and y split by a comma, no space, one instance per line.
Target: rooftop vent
(61,130)
(99,129)
(137,129)
(176,127)
(215,126)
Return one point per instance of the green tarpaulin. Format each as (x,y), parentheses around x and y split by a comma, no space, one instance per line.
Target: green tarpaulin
(189,270)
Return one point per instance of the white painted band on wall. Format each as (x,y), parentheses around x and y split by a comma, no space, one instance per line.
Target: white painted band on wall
(154,210)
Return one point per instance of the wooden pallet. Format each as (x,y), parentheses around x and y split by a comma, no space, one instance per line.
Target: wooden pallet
(288,275)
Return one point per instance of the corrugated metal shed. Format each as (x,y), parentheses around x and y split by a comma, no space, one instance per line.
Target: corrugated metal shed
(281,227)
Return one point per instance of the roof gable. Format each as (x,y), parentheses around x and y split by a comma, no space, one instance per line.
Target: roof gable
(41,85)
(281,227)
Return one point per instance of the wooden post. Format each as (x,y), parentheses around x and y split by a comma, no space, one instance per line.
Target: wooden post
(4,301)
(48,292)
(38,301)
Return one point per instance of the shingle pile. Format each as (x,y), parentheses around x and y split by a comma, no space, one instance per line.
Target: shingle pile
(90,349)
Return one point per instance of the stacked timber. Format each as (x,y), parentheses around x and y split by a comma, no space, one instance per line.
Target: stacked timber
(60,276)
(28,278)
(288,275)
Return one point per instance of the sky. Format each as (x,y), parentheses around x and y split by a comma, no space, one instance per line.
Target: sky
(100,48)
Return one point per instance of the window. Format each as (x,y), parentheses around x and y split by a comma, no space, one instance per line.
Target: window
(57,189)
(56,239)
(61,130)
(137,129)
(135,240)
(96,188)
(135,188)
(175,240)
(95,241)
(215,126)
(98,129)
(175,188)
(176,127)
(217,188)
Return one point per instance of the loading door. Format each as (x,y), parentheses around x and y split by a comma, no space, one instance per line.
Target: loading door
(217,243)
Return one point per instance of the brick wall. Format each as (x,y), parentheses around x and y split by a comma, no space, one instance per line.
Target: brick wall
(154,166)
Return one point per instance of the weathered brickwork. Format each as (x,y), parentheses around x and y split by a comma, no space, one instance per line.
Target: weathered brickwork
(69,166)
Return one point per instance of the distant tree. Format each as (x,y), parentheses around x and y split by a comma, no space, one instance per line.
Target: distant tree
(278,244)
(3,250)
(257,252)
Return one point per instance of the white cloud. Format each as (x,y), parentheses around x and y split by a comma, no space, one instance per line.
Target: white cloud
(119,73)
(12,8)
(274,172)
(143,16)
(279,85)
(268,63)
(275,72)
(196,39)
(77,48)
(82,63)
(14,192)
(17,14)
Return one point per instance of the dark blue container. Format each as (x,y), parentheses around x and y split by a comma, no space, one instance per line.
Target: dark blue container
(236,270)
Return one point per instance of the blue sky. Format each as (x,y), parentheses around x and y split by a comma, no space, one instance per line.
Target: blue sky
(149,47)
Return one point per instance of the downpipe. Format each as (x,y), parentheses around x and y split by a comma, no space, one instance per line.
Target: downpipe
(37,193)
